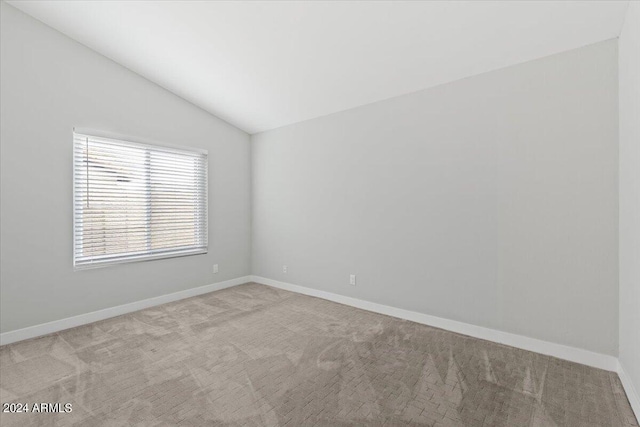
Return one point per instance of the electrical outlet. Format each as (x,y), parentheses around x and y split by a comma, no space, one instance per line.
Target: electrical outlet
(352,279)
(215,268)
(284,269)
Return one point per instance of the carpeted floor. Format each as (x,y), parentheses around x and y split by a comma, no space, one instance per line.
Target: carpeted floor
(254,355)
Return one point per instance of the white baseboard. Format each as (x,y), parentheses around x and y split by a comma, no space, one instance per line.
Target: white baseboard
(585,357)
(632,393)
(83,319)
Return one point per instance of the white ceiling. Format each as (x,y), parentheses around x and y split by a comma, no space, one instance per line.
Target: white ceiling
(261,65)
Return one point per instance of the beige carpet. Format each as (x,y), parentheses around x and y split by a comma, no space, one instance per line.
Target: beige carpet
(254,355)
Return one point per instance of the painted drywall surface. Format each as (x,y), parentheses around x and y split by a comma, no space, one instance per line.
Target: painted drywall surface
(49,85)
(491,200)
(629,68)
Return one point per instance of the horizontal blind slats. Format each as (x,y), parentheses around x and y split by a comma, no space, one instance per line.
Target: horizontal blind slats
(155,190)
(97,211)
(138,254)
(115,148)
(135,201)
(100,171)
(181,232)
(119,247)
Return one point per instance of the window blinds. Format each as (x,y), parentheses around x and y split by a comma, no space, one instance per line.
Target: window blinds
(136,201)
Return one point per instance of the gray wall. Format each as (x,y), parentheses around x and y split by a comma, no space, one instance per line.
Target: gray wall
(50,84)
(630,194)
(491,200)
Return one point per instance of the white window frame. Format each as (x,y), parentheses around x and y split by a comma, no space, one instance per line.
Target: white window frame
(143,143)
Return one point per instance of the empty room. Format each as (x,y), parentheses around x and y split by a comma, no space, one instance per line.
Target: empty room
(320,213)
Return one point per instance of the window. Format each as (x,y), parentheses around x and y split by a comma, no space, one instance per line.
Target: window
(136,201)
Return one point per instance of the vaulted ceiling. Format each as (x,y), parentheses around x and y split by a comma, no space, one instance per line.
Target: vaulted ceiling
(262,65)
